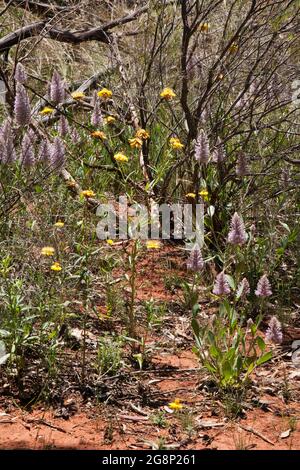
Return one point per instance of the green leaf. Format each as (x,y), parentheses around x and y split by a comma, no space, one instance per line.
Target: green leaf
(195,309)
(260,343)
(227,371)
(211,337)
(195,327)
(265,358)
(213,351)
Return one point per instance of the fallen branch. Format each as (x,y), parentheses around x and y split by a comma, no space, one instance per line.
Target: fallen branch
(100,33)
(256,433)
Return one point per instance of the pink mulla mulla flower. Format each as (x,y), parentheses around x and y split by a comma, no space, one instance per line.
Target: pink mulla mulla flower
(219,154)
(274,331)
(57,153)
(202,148)
(244,287)
(63,126)
(237,234)
(57,88)
(22,110)
(263,288)
(195,261)
(20,73)
(44,151)
(241,168)
(75,137)
(97,118)
(7,150)
(221,286)
(27,154)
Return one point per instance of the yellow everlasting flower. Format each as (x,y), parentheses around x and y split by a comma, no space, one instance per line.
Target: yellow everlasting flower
(204,194)
(167,94)
(59,224)
(110,242)
(105,93)
(135,143)
(99,135)
(120,157)
(109,119)
(47,251)
(175,143)
(87,193)
(56,266)
(176,405)
(204,27)
(233,48)
(153,244)
(191,195)
(47,110)
(78,95)
(142,134)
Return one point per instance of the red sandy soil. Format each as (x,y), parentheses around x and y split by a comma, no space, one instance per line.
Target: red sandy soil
(271,410)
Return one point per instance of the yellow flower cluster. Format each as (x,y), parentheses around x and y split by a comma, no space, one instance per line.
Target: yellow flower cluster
(153,244)
(56,266)
(176,405)
(190,195)
(167,94)
(88,193)
(175,143)
(203,193)
(78,95)
(204,27)
(46,110)
(120,157)
(99,135)
(135,143)
(142,134)
(59,224)
(109,119)
(233,48)
(47,251)
(105,93)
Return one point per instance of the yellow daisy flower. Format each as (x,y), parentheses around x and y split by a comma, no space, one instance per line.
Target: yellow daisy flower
(142,134)
(204,194)
(78,95)
(204,27)
(47,251)
(175,143)
(167,94)
(153,244)
(109,119)
(176,405)
(191,195)
(135,143)
(233,48)
(105,93)
(47,110)
(59,224)
(87,193)
(56,266)
(120,157)
(110,242)
(99,135)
